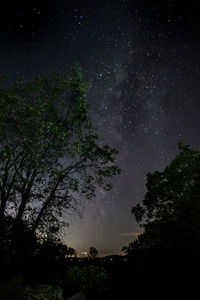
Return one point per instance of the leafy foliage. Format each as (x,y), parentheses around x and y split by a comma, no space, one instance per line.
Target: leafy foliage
(170,213)
(50,157)
(88,278)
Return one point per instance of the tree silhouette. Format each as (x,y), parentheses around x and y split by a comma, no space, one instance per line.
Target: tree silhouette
(50,157)
(170,214)
(93,252)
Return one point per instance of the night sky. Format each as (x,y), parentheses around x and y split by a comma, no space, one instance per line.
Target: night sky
(142,58)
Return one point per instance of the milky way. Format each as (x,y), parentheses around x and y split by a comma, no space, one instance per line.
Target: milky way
(142,59)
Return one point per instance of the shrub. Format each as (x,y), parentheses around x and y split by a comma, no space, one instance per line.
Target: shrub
(88,278)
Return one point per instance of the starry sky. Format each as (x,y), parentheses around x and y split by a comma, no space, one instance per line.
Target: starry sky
(142,59)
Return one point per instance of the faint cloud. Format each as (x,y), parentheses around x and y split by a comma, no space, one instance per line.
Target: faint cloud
(131,234)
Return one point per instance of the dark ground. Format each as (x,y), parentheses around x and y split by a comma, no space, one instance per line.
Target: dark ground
(139,277)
